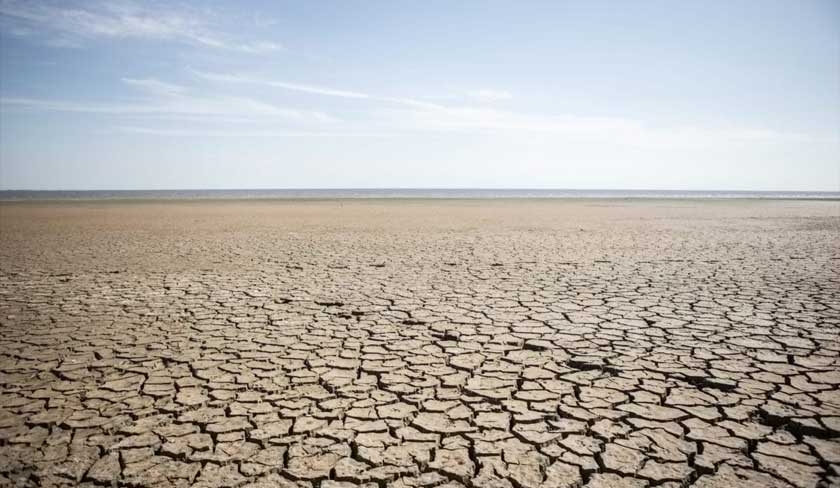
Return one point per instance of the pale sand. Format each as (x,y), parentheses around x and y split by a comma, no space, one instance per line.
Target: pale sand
(420,343)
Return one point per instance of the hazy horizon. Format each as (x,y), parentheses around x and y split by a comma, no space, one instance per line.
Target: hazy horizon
(154,95)
(405,192)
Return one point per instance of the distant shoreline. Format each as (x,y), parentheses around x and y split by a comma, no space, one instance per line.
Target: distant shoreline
(404,194)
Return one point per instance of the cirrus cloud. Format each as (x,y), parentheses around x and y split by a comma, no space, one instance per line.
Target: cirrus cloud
(66,24)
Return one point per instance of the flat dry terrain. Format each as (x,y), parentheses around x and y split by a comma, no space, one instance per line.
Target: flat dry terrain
(496,343)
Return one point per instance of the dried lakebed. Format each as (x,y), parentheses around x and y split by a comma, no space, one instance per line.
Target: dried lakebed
(420,344)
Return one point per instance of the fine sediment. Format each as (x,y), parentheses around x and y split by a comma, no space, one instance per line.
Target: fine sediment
(415,343)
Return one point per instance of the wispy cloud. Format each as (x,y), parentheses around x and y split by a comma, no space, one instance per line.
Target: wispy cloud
(169,100)
(312,89)
(267,133)
(155,86)
(408,114)
(382,115)
(63,24)
(595,130)
(222,106)
(486,95)
(260,47)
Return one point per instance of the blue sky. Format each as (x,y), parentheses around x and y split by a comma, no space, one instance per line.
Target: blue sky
(648,95)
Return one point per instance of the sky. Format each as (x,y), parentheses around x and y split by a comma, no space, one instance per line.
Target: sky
(717,95)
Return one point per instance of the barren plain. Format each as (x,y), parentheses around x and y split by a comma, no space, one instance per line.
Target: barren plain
(410,343)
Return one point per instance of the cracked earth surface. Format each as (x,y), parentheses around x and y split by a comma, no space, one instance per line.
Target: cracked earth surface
(419,344)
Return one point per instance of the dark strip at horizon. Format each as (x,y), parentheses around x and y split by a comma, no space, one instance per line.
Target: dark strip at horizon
(401,193)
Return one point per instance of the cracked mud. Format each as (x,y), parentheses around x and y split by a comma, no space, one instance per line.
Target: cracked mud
(418,344)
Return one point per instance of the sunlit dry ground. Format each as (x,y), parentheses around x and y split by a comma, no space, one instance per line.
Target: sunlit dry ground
(494,343)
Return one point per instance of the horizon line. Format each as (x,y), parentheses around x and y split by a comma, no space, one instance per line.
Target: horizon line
(413,188)
(417,189)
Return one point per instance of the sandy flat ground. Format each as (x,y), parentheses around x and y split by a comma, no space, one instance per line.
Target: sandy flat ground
(478,343)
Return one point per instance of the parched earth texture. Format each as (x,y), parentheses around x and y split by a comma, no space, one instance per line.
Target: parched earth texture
(600,343)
